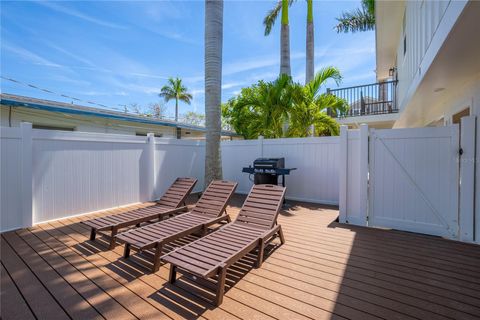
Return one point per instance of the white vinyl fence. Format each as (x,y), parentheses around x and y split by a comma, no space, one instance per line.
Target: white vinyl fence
(413,179)
(47,175)
(316,159)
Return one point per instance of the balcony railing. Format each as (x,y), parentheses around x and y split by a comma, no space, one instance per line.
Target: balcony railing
(370,99)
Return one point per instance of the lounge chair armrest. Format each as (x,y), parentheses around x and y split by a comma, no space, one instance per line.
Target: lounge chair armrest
(270,232)
(179,209)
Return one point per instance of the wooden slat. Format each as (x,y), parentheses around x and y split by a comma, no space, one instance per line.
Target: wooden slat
(12,304)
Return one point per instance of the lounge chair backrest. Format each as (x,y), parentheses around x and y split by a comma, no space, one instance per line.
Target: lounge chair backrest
(215,198)
(261,208)
(177,193)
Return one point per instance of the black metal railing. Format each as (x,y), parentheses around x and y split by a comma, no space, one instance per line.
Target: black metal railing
(370,99)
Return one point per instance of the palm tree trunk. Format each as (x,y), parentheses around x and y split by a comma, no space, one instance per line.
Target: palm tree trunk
(176,109)
(310,67)
(285,41)
(213,88)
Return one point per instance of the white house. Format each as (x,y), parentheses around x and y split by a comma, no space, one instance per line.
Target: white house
(54,115)
(430,50)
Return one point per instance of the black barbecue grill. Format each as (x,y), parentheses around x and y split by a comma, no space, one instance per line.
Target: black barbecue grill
(267,170)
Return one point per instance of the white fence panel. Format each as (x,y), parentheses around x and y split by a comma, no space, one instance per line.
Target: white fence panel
(354,176)
(11,176)
(76,173)
(317,161)
(235,156)
(414,180)
(178,158)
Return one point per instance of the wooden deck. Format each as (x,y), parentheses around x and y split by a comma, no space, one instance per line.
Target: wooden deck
(325,270)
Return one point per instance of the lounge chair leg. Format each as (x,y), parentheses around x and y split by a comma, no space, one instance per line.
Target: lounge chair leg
(126,251)
(112,239)
(229,219)
(93,234)
(156,258)
(137,225)
(220,286)
(173,274)
(280,234)
(261,249)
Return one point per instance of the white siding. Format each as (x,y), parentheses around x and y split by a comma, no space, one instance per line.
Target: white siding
(422,21)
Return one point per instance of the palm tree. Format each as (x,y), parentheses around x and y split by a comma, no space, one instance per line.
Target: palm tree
(213,88)
(309,106)
(269,21)
(263,108)
(310,66)
(360,19)
(175,90)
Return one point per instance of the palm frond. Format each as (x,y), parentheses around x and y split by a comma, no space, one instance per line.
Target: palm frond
(272,15)
(321,77)
(357,20)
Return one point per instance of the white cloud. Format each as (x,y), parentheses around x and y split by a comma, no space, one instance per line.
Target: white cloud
(30,56)
(79,15)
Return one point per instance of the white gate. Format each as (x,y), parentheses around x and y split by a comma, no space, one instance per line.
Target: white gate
(414,180)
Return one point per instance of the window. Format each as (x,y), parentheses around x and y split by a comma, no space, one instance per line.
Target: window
(144,134)
(45,127)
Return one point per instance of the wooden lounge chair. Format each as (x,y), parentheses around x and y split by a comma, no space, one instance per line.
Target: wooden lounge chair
(173,201)
(209,210)
(254,227)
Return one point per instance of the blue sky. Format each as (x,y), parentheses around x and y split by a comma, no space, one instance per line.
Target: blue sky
(118,53)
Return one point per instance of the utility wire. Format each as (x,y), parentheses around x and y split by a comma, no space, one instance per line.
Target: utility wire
(124,108)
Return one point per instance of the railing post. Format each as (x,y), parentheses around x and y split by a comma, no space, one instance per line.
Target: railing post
(27,176)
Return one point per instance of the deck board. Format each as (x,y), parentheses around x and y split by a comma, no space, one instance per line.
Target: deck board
(324,271)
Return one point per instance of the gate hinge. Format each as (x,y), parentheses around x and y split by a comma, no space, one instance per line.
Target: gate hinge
(460,151)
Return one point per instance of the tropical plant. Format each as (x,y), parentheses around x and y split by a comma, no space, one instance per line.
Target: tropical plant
(360,19)
(310,106)
(269,21)
(263,108)
(175,90)
(213,88)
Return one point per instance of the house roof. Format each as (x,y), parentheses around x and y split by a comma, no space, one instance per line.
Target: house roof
(62,107)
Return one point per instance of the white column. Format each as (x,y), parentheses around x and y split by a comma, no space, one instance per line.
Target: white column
(27,178)
(343,153)
(363,188)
